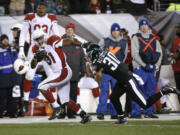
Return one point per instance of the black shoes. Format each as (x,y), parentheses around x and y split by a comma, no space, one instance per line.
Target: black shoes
(61,116)
(121,120)
(86,118)
(136,117)
(13,116)
(56,112)
(151,116)
(100,116)
(71,116)
(169,89)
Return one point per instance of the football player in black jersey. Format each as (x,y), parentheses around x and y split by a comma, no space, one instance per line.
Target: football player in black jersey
(104,61)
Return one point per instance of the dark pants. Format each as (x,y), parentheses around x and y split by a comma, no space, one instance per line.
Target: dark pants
(128,105)
(7,102)
(135,93)
(177,80)
(73,95)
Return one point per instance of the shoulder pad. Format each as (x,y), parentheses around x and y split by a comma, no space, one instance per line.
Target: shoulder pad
(29,16)
(52,17)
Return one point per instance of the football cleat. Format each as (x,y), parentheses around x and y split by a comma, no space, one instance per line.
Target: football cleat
(56,112)
(86,118)
(169,89)
(121,120)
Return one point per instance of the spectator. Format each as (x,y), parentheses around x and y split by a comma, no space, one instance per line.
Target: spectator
(94,6)
(29,6)
(64,5)
(51,7)
(75,59)
(16,7)
(107,6)
(176,54)
(78,6)
(136,7)
(5,5)
(118,47)
(147,55)
(9,80)
(120,6)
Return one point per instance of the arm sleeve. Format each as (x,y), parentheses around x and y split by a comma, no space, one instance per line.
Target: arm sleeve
(135,51)
(83,64)
(55,28)
(125,52)
(158,49)
(24,33)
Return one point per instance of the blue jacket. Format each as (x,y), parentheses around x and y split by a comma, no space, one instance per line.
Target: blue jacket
(119,45)
(147,50)
(8,77)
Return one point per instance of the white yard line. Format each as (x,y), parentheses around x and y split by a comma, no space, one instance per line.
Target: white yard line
(44,119)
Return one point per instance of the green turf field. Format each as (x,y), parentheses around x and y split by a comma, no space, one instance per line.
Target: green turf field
(94,128)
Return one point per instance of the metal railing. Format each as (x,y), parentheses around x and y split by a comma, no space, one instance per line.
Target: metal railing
(162,5)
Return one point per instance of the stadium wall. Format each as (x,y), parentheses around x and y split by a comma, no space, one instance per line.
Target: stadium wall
(92,27)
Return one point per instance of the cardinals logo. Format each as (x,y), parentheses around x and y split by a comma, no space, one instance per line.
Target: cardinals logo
(20,68)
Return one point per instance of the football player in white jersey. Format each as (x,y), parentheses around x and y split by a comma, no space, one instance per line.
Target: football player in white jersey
(32,22)
(54,61)
(92,84)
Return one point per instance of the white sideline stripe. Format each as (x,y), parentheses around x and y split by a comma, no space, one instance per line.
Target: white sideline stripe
(4,67)
(137,92)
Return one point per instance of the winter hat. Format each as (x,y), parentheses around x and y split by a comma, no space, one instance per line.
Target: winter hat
(70,25)
(143,21)
(115,26)
(150,26)
(3,36)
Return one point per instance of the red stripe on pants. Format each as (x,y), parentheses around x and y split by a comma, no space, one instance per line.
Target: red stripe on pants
(27,85)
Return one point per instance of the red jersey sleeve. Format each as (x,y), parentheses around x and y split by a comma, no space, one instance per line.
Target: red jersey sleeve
(52,17)
(29,16)
(53,40)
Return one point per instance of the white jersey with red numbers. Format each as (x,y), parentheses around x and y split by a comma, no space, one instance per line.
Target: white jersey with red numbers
(55,62)
(32,21)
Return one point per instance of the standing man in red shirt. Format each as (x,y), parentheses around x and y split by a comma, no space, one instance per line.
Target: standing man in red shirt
(176,55)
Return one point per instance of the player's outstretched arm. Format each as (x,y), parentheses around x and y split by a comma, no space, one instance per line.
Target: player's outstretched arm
(98,76)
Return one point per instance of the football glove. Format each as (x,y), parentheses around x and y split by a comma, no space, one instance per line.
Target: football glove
(40,55)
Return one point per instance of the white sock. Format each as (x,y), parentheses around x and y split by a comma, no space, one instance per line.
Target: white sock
(26,96)
(78,99)
(55,104)
(78,112)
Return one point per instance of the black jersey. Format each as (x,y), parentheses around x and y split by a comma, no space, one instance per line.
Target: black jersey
(112,66)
